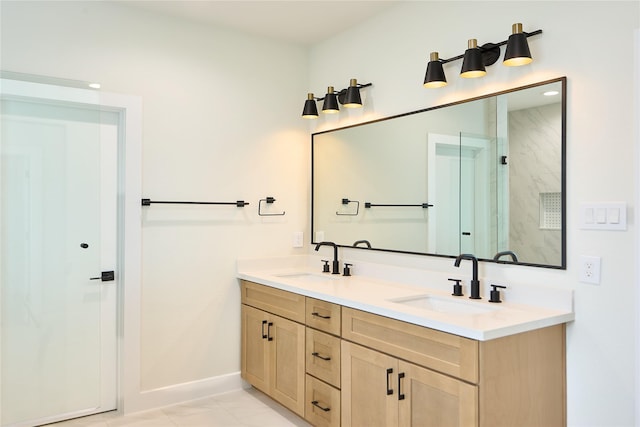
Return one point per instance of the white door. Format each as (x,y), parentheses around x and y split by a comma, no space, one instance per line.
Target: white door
(458,181)
(58,216)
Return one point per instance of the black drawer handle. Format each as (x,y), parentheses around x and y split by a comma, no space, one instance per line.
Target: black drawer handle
(389,390)
(269,337)
(264,322)
(315,403)
(400,394)
(316,314)
(316,354)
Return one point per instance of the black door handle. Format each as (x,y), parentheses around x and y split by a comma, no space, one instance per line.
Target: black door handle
(269,337)
(315,403)
(400,394)
(264,322)
(389,372)
(319,356)
(106,276)
(316,314)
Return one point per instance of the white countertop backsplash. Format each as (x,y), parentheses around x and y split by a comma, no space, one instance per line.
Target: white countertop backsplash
(373,285)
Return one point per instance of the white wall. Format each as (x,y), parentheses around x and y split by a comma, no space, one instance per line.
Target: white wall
(596,53)
(220,123)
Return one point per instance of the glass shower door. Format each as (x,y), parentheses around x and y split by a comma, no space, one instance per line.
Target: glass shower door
(58,182)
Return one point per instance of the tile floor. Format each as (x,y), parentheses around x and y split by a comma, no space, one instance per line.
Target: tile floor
(243,408)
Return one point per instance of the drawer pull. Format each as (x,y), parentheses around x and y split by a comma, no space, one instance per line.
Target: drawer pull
(389,390)
(316,354)
(264,322)
(317,405)
(269,337)
(400,394)
(316,314)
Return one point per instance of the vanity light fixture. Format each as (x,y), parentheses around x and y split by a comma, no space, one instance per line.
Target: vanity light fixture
(330,104)
(476,58)
(349,98)
(472,61)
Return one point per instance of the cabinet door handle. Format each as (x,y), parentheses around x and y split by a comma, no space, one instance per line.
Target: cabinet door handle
(319,356)
(316,314)
(400,394)
(315,403)
(264,322)
(389,390)
(269,337)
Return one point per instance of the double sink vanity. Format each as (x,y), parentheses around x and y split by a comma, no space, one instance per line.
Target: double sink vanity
(382,345)
(391,346)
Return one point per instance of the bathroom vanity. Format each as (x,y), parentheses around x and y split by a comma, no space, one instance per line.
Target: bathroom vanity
(364,351)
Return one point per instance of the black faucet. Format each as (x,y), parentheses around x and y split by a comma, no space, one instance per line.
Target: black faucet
(513,256)
(475,283)
(336,263)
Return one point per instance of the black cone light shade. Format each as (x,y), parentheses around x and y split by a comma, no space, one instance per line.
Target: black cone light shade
(310,111)
(330,105)
(517,52)
(352,98)
(434,77)
(472,64)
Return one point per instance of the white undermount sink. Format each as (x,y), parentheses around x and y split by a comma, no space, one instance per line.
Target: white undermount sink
(444,305)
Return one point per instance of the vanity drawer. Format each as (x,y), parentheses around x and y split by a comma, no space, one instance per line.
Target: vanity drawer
(323,315)
(322,407)
(323,356)
(272,300)
(440,351)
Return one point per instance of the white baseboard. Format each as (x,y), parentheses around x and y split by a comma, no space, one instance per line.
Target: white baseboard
(178,393)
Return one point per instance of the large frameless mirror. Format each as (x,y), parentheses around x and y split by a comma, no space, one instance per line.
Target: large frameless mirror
(484,176)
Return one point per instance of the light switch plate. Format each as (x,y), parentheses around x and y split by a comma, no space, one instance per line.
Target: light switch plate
(603,216)
(297,240)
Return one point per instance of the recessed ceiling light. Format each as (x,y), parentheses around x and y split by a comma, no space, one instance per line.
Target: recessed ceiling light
(94,85)
(551,93)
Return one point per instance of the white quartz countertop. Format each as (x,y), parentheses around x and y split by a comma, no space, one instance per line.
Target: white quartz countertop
(476,319)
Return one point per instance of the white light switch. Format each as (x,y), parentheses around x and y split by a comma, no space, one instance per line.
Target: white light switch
(603,216)
(588,215)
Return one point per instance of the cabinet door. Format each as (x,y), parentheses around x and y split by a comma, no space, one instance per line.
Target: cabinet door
(254,365)
(286,351)
(430,399)
(369,395)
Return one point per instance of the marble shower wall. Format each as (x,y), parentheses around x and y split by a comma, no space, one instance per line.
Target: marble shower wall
(535,173)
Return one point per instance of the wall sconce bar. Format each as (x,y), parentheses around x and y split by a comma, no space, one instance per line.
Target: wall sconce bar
(476,58)
(348,97)
(239,203)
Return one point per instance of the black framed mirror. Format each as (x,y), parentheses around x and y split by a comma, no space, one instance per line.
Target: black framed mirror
(485,176)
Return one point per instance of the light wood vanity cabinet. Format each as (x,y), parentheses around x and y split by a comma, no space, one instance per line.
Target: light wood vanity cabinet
(392,373)
(423,377)
(273,347)
(381,390)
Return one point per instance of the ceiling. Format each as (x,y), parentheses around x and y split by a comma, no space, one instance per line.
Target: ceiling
(300,22)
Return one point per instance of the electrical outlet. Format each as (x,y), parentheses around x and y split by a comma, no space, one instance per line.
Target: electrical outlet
(297,239)
(590,269)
